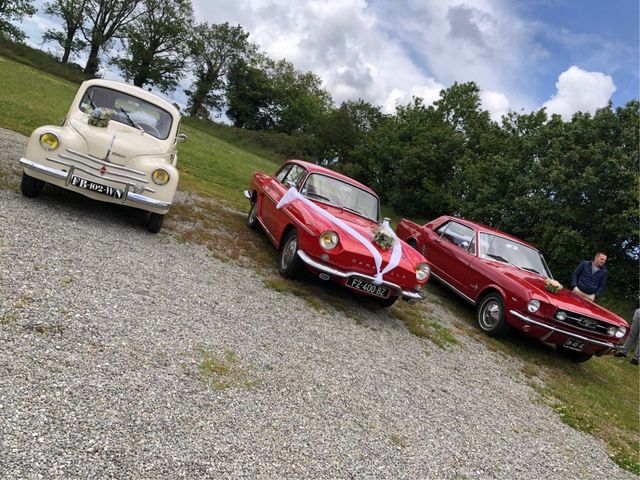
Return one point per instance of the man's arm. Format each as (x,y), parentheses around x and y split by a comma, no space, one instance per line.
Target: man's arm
(601,283)
(576,273)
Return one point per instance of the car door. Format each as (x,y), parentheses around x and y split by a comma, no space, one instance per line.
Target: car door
(451,251)
(275,219)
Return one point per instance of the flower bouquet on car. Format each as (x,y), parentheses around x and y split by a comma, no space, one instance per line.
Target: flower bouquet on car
(99,117)
(551,285)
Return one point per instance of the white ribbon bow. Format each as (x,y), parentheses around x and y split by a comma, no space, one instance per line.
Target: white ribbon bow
(396,254)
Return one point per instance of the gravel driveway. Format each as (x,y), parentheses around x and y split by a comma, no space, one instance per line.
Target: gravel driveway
(104,329)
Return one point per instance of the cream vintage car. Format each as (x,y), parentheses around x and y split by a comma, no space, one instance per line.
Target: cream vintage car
(117,144)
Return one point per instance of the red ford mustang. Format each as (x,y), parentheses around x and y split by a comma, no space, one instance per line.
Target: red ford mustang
(330,224)
(506,279)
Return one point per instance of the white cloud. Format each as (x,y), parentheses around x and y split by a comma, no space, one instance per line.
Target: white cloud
(579,90)
(347,43)
(496,103)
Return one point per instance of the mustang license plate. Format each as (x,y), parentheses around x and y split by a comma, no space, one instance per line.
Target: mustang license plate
(573,344)
(370,288)
(97,187)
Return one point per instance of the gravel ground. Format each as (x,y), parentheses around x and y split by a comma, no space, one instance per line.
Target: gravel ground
(103,327)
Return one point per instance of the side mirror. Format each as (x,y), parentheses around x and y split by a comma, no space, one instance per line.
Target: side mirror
(181,138)
(464,245)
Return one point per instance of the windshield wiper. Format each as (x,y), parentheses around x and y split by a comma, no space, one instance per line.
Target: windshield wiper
(355,211)
(130,120)
(499,258)
(531,270)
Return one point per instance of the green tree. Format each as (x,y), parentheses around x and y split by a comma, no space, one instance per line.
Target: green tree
(342,128)
(213,49)
(300,101)
(71,12)
(249,95)
(106,20)
(14,10)
(156,44)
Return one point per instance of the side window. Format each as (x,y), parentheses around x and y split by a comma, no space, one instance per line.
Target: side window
(295,175)
(458,234)
(283,173)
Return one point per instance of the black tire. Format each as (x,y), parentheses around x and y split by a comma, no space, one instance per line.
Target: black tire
(30,187)
(575,357)
(252,217)
(490,316)
(387,302)
(155,222)
(289,263)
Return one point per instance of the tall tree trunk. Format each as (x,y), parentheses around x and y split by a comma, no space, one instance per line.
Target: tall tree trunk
(93,62)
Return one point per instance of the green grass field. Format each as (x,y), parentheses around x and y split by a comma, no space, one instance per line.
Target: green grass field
(600,397)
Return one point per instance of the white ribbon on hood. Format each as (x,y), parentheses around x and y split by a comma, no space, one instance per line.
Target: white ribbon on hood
(396,254)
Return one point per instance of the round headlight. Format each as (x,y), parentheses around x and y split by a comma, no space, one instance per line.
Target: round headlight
(329,239)
(611,331)
(49,141)
(422,271)
(533,306)
(621,331)
(560,315)
(160,176)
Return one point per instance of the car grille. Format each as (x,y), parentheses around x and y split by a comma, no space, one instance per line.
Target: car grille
(587,324)
(103,170)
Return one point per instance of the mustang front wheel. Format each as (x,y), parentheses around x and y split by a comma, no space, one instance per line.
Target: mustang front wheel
(30,187)
(289,263)
(490,316)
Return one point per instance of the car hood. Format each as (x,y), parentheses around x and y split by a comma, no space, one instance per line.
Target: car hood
(565,299)
(122,142)
(364,227)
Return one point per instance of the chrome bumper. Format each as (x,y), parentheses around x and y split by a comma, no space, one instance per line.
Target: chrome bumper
(551,328)
(66,177)
(407,295)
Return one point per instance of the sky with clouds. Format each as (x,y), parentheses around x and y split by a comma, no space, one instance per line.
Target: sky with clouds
(565,55)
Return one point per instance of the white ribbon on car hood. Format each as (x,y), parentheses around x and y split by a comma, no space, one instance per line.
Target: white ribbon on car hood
(396,254)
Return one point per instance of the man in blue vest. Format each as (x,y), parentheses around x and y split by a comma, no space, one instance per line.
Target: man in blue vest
(589,278)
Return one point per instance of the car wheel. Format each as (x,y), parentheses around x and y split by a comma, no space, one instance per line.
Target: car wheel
(491,317)
(155,222)
(387,302)
(30,187)
(576,357)
(289,264)
(252,218)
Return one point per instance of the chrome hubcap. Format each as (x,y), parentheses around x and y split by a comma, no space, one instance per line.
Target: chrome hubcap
(490,315)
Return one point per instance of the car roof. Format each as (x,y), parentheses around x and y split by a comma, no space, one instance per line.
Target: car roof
(483,228)
(314,168)
(135,91)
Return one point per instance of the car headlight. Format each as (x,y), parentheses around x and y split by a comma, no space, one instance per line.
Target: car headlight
(611,331)
(49,141)
(621,331)
(533,306)
(329,240)
(422,271)
(560,315)
(160,176)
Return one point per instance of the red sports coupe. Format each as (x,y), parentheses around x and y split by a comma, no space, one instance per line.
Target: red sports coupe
(511,286)
(330,224)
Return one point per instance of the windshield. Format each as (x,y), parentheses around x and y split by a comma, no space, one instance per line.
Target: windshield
(129,110)
(336,192)
(504,250)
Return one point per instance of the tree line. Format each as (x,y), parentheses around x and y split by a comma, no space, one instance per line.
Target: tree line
(569,187)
